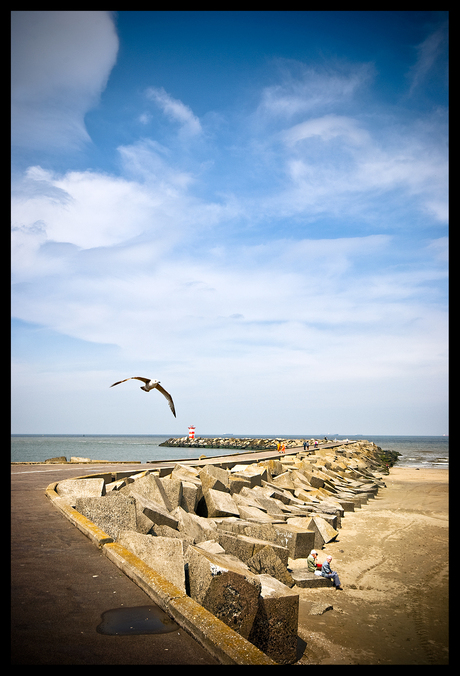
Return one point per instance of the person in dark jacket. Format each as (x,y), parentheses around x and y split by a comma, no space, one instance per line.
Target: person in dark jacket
(330,574)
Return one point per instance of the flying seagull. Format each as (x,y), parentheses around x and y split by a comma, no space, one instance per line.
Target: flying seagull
(151,385)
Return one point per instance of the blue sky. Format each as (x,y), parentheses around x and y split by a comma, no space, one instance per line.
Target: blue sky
(249,206)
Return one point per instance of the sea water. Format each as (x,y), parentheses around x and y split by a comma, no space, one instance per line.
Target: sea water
(416,451)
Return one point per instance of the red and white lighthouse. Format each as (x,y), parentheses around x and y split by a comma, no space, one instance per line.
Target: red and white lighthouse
(191,432)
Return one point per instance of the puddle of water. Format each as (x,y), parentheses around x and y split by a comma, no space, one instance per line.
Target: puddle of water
(135,621)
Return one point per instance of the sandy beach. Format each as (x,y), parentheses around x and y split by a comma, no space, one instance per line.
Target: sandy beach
(392,558)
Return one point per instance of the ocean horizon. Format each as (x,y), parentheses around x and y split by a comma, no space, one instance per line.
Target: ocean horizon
(416,451)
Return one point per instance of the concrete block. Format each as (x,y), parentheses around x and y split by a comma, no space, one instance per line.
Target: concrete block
(196,527)
(115,485)
(276,492)
(253,472)
(71,489)
(155,511)
(267,562)
(191,495)
(256,497)
(238,467)
(144,524)
(274,630)
(254,514)
(208,481)
(254,478)
(167,532)
(185,473)
(165,555)
(346,503)
(260,531)
(299,478)
(258,470)
(225,587)
(274,467)
(173,490)
(219,503)
(272,507)
(301,521)
(324,533)
(138,475)
(244,547)
(332,519)
(359,500)
(314,480)
(112,513)
(211,546)
(164,472)
(284,481)
(246,498)
(232,524)
(236,483)
(303,578)
(149,486)
(306,496)
(298,541)
(210,472)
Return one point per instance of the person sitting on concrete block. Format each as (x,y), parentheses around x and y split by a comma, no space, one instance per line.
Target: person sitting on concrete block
(311,559)
(330,574)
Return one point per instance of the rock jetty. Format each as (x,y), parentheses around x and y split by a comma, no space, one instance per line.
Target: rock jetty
(237,444)
(227,537)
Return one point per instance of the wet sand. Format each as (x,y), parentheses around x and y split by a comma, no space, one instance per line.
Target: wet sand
(392,558)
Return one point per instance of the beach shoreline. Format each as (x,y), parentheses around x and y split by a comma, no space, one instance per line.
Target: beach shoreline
(392,557)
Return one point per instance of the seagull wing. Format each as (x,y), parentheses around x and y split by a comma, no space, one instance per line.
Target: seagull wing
(144,380)
(168,397)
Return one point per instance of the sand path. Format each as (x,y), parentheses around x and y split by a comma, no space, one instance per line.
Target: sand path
(392,557)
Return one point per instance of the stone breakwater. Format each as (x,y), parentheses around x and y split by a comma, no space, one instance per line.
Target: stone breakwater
(227,537)
(245,444)
(237,444)
(386,458)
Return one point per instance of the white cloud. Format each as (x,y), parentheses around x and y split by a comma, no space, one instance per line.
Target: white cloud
(175,109)
(331,161)
(51,94)
(327,128)
(305,90)
(149,161)
(301,296)
(93,210)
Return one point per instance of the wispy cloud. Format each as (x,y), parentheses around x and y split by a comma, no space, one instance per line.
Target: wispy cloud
(302,89)
(327,128)
(175,110)
(429,53)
